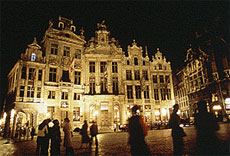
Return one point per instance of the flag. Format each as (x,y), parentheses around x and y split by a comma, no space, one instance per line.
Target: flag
(71,68)
(142,83)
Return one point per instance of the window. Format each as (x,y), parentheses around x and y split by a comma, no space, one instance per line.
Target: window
(114,67)
(137,74)
(135,61)
(115,85)
(77,54)
(103,85)
(154,78)
(38,92)
(54,49)
(76,114)
(146,92)
(128,63)
(103,67)
(156,94)
(160,67)
(138,92)
(168,93)
(33,57)
(161,79)
(145,74)
(143,63)
(130,92)
(92,86)
(22,91)
(23,72)
(163,94)
(128,75)
(167,80)
(51,95)
(92,67)
(31,73)
(76,96)
(66,51)
(77,78)
(52,74)
(64,96)
(39,75)
(30,91)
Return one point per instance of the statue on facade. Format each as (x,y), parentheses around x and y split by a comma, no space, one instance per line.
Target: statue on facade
(101,25)
(51,23)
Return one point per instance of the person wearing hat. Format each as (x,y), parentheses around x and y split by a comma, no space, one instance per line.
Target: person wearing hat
(137,130)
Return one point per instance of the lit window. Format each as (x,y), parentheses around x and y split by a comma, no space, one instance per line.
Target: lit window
(156,94)
(30,91)
(33,57)
(76,114)
(64,96)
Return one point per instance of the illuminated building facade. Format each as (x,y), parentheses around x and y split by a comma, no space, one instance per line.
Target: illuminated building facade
(95,80)
(205,76)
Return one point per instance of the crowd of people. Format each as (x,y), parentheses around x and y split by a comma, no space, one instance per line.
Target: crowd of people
(205,124)
(46,133)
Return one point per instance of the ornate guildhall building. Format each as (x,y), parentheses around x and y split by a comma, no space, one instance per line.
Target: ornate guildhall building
(66,76)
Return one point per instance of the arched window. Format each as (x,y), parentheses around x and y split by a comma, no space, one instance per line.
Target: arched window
(33,57)
(135,61)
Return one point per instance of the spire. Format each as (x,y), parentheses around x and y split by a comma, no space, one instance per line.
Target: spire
(134,43)
(35,40)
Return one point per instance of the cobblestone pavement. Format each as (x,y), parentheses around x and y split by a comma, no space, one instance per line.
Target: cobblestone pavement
(115,144)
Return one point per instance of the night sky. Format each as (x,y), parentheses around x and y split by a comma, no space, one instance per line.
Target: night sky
(167,25)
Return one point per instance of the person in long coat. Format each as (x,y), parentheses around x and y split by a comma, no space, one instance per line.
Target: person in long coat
(84,133)
(177,132)
(137,130)
(55,136)
(68,134)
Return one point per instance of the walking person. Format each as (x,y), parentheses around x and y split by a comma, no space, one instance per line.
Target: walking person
(206,126)
(137,130)
(68,134)
(84,134)
(55,136)
(93,133)
(43,139)
(177,132)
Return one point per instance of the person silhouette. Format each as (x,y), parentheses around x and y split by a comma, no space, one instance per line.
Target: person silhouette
(84,133)
(68,134)
(93,133)
(206,127)
(55,136)
(137,130)
(177,132)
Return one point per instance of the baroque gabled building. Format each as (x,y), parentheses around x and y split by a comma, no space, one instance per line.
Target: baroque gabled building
(91,80)
(205,76)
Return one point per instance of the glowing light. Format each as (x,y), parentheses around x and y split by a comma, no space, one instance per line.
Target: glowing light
(227,101)
(51,124)
(4,116)
(163,112)
(12,113)
(1,121)
(178,112)
(216,107)
(95,113)
(47,114)
(157,113)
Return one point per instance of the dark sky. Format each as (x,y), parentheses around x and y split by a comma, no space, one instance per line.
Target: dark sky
(167,25)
